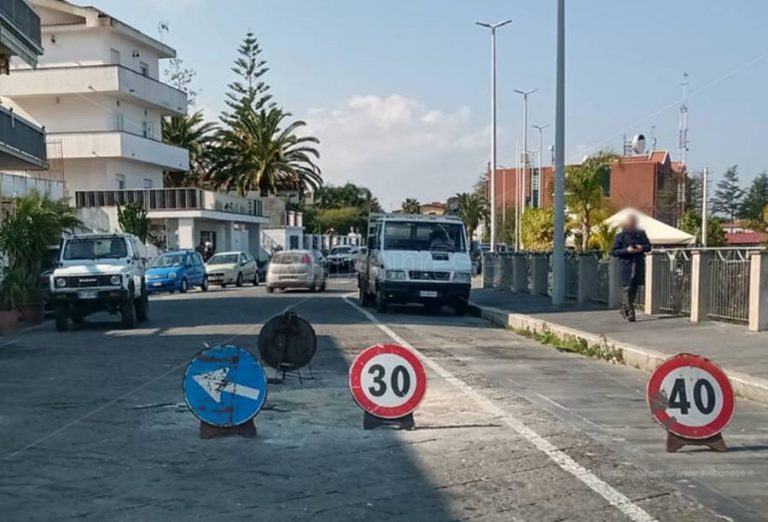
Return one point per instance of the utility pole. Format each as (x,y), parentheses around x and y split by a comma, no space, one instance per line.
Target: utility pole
(492,191)
(539,199)
(524,180)
(704,183)
(558,251)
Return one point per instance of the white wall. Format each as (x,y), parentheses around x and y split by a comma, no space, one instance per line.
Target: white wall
(101,174)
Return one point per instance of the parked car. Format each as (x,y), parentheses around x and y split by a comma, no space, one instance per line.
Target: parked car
(341,259)
(176,271)
(296,269)
(228,268)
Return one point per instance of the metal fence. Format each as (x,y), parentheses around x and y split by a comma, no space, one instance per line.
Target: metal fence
(729,289)
(571,275)
(603,281)
(675,281)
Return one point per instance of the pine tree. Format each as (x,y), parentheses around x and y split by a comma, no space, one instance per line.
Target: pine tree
(728,195)
(755,199)
(694,192)
(249,91)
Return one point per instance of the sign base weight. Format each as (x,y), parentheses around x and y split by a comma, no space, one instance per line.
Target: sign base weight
(209,431)
(675,442)
(404,423)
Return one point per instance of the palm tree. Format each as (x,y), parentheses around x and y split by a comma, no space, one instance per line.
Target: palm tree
(472,209)
(584,190)
(195,135)
(411,206)
(257,153)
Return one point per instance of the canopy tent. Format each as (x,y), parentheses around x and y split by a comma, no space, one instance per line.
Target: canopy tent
(658,233)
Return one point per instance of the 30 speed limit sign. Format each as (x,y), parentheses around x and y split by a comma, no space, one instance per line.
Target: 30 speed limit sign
(387,381)
(691,397)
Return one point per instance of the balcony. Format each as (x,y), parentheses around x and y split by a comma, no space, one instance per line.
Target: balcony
(115,144)
(117,80)
(172,199)
(22,144)
(20,31)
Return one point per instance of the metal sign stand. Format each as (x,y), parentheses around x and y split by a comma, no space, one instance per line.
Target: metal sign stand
(210,431)
(404,423)
(287,343)
(675,442)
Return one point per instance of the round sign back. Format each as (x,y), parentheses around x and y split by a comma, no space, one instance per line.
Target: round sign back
(690,396)
(387,381)
(225,386)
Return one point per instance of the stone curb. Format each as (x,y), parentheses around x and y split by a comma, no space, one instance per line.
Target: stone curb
(744,385)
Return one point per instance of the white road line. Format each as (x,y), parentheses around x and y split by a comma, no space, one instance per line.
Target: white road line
(602,488)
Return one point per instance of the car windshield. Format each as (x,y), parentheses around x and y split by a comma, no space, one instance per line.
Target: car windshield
(289,258)
(340,250)
(95,248)
(224,259)
(169,260)
(444,237)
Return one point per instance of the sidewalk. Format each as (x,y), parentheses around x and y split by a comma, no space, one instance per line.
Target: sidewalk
(644,344)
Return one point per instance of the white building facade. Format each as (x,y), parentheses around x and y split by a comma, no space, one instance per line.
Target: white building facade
(96,90)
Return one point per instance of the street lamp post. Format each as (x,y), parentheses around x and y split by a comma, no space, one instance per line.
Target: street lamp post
(540,128)
(492,192)
(522,184)
(558,250)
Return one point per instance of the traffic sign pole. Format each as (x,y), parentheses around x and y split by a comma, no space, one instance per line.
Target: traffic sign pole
(225,387)
(693,400)
(388,382)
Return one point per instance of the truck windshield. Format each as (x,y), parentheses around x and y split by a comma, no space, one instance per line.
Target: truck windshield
(95,248)
(443,237)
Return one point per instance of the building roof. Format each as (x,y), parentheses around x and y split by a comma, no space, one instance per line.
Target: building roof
(745,238)
(89,15)
(658,233)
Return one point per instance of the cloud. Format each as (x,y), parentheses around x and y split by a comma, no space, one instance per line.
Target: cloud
(399,147)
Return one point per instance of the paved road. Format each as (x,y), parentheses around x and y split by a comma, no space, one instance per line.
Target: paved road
(93,427)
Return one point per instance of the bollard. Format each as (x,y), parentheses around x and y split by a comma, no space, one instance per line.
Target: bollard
(587,277)
(520,273)
(489,270)
(701,284)
(653,277)
(498,273)
(540,272)
(506,263)
(758,292)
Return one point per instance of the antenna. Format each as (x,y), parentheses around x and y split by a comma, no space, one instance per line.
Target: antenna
(653,140)
(162,27)
(683,128)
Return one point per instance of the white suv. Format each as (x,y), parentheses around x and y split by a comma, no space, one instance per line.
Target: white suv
(100,272)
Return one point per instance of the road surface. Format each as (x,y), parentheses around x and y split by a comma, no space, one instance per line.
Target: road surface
(93,426)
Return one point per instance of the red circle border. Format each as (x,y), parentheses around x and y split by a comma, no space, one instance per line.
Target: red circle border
(673,426)
(387,412)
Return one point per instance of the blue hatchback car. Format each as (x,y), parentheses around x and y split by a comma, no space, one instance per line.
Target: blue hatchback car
(176,271)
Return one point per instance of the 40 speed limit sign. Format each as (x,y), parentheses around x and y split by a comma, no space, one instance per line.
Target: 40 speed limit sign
(387,381)
(691,397)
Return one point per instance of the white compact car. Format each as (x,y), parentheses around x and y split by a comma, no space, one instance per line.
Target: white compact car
(297,269)
(227,268)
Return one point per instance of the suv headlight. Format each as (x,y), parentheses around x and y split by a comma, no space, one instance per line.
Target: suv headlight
(172,275)
(462,277)
(115,280)
(61,282)
(395,275)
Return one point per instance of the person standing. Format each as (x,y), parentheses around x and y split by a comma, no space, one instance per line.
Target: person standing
(630,247)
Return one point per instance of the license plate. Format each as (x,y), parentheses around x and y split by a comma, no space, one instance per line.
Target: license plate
(428,293)
(157,284)
(87,294)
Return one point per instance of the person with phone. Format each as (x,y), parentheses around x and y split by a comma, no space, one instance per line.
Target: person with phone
(630,247)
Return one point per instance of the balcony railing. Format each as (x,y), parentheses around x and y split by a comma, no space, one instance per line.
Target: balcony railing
(25,22)
(171,199)
(23,138)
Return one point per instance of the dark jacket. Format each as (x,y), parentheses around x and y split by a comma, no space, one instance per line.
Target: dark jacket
(632,265)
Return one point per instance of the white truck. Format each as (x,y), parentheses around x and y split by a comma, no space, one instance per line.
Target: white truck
(100,272)
(415,259)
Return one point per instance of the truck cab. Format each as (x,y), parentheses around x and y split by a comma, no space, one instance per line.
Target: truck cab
(415,259)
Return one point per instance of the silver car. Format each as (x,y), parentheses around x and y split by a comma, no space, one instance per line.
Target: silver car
(296,269)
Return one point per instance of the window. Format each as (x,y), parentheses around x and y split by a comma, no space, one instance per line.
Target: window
(120,181)
(147,183)
(197,260)
(406,235)
(95,248)
(144,69)
(145,129)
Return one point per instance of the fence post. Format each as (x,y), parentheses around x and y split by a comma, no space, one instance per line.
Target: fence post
(540,273)
(701,284)
(489,270)
(520,273)
(758,292)
(653,276)
(506,264)
(587,277)
(614,283)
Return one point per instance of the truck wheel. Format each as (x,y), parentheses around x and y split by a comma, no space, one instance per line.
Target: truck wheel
(142,307)
(128,313)
(381,302)
(62,317)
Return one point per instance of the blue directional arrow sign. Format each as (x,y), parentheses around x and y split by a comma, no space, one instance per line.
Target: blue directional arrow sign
(225,386)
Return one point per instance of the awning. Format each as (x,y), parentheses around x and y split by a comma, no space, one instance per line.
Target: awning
(658,233)
(18,48)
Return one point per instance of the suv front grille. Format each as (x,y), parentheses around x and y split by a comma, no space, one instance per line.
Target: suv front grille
(419,275)
(89,281)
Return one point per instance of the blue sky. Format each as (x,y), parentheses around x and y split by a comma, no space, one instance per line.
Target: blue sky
(398,90)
